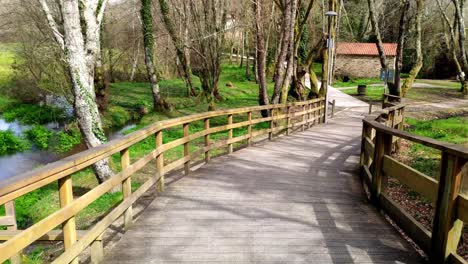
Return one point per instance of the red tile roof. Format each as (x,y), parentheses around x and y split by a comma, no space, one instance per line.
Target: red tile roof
(366,49)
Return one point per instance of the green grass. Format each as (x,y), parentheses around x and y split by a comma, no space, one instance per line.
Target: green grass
(373,93)
(436,90)
(7,58)
(357,81)
(453,130)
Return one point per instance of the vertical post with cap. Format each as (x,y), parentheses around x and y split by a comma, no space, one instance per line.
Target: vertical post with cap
(69,226)
(229,134)
(126,187)
(207,140)
(160,163)
(186,149)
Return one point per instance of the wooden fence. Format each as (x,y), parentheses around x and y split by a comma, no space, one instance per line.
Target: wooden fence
(380,132)
(282,118)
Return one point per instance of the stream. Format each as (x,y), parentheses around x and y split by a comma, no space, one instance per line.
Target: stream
(21,162)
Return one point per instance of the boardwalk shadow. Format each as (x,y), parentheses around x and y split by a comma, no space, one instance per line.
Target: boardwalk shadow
(296,199)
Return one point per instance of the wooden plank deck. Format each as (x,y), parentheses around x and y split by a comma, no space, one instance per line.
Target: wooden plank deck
(296,199)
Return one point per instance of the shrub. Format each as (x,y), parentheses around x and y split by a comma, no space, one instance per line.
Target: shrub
(10,143)
(34,114)
(40,136)
(67,140)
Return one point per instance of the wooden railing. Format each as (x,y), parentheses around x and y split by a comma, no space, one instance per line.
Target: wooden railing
(389,100)
(380,133)
(282,117)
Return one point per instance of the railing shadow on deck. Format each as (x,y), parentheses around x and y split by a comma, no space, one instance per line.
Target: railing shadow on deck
(380,132)
(281,119)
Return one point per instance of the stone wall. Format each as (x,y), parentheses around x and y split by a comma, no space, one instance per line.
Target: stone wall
(359,66)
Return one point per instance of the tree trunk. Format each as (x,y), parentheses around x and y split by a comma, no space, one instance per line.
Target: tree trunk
(82,78)
(376,31)
(461,42)
(101,84)
(419,56)
(286,55)
(261,57)
(148,42)
(247,63)
(400,45)
(181,50)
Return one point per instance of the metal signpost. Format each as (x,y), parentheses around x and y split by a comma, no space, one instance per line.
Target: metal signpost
(330,46)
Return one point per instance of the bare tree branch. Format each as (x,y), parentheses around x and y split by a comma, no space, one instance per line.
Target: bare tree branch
(53,25)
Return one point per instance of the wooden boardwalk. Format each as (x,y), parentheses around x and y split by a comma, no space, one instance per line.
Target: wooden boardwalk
(296,199)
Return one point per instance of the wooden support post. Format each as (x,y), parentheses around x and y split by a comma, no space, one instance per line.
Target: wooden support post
(270,135)
(126,187)
(303,117)
(10,211)
(97,250)
(324,105)
(370,106)
(207,139)
(249,128)
(309,114)
(383,146)
(362,159)
(288,121)
(160,163)
(186,149)
(333,108)
(447,229)
(69,226)
(230,134)
(314,114)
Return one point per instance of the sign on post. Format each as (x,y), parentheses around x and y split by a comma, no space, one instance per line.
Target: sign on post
(387,76)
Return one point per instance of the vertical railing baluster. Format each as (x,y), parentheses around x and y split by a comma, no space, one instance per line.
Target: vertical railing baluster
(303,115)
(288,120)
(97,250)
(207,139)
(383,146)
(126,187)
(249,129)
(229,134)
(186,149)
(69,226)
(270,134)
(447,229)
(160,163)
(10,211)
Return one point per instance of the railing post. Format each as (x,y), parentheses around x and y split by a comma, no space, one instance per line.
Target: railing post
(447,229)
(126,187)
(207,140)
(229,134)
(314,105)
(249,128)
(288,121)
(383,146)
(10,211)
(333,108)
(303,117)
(325,105)
(97,250)
(160,163)
(186,149)
(270,134)
(69,226)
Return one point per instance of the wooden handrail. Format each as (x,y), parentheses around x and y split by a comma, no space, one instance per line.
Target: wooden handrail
(377,164)
(53,171)
(61,171)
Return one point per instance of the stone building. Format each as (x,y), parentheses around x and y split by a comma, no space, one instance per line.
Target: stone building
(361,60)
